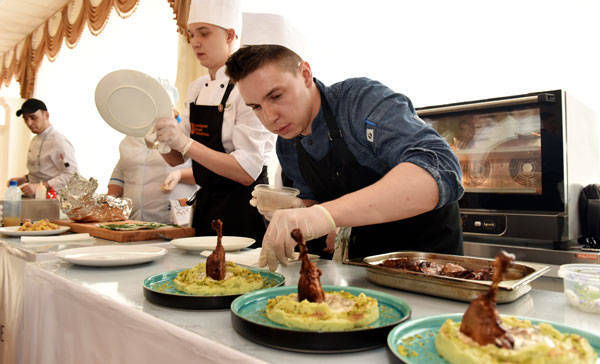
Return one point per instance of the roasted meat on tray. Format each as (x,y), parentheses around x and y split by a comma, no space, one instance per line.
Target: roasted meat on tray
(437,268)
(481,322)
(215,264)
(309,284)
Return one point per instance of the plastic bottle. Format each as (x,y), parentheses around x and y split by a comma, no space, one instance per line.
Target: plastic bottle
(12,205)
(40,192)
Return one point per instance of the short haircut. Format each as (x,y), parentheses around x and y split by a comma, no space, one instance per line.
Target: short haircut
(250,58)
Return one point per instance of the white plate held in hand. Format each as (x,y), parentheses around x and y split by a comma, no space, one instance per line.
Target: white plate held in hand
(230,243)
(112,255)
(131,101)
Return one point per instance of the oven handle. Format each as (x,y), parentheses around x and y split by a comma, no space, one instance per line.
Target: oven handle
(479,105)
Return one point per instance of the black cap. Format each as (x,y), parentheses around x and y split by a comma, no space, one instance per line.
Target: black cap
(30,106)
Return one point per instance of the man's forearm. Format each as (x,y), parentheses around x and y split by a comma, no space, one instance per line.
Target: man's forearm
(405,191)
(115,190)
(173,158)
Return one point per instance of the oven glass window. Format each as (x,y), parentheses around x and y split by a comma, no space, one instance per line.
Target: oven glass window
(499,152)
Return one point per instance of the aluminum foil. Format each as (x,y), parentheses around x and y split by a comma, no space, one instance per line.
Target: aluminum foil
(79,202)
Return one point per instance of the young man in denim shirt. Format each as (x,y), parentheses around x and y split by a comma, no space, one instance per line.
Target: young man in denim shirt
(359,154)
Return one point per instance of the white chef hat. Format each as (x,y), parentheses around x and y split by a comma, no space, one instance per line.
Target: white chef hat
(263,28)
(223,13)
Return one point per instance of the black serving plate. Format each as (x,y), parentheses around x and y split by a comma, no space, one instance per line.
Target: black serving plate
(160,289)
(248,316)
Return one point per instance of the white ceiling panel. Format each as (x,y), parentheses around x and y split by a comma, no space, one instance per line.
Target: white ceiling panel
(18,18)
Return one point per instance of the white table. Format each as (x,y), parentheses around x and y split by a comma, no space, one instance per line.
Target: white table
(86,314)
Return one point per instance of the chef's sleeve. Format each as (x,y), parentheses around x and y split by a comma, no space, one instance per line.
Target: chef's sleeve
(392,129)
(252,142)
(117,177)
(63,157)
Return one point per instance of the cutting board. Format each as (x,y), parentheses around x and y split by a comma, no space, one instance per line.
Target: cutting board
(125,236)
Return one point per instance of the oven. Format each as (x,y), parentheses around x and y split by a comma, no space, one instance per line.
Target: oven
(524,159)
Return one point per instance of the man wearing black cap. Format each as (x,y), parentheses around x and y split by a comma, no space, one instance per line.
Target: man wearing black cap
(51,157)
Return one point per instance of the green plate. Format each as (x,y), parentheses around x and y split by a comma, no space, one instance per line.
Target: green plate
(249,318)
(160,289)
(421,334)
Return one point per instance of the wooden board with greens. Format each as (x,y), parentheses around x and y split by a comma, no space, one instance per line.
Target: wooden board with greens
(129,230)
(135,226)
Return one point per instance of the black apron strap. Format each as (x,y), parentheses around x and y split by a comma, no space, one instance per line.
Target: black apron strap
(220,197)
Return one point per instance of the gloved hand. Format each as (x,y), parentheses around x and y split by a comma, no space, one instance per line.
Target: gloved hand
(268,214)
(172,134)
(278,245)
(171,181)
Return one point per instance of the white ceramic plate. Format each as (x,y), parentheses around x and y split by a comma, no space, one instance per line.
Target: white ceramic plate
(230,243)
(112,255)
(130,101)
(13,231)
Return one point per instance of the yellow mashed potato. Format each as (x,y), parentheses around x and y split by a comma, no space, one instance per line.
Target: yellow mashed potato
(340,311)
(533,344)
(237,280)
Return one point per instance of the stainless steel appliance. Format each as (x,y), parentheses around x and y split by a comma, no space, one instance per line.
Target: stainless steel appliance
(525,159)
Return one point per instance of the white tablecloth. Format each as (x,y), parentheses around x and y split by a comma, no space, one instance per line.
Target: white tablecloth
(12,270)
(87,327)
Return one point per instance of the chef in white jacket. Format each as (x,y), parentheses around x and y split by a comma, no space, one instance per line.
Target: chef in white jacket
(229,146)
(143,176)
(51,157)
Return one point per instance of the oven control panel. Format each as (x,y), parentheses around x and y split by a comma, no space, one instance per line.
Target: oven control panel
(483,224)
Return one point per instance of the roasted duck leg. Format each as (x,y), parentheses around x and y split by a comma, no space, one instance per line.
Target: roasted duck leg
(309,284)
(215,264)
(481,322)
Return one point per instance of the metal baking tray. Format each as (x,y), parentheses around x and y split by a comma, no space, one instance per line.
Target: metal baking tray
(517,284)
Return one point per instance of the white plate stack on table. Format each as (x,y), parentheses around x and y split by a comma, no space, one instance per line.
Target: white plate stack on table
(200,243)
(112,255)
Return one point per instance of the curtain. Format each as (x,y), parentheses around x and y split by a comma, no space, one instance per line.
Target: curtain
(188,67)
(23,61)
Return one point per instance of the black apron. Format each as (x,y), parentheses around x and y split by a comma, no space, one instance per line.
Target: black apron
(338,173)
(220,197)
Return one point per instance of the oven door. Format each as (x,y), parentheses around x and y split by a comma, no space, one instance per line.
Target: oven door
(510,150)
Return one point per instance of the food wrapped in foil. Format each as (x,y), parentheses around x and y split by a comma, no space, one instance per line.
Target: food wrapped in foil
(79,202)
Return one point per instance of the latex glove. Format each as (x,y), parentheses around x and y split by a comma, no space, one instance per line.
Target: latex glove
(169,132)
(152,142)
(171,180)
(278,245)
(268,214)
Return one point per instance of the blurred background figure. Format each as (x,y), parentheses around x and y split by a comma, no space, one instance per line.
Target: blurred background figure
(51,157)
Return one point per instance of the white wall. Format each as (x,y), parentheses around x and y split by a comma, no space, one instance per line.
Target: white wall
(448,51)
(147,41)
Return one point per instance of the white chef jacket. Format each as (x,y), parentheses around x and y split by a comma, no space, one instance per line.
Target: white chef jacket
(141,172)
(51,158)
(243,135)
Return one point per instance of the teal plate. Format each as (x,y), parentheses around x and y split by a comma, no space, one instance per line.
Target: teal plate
(248,315)
(160,289)
(418,337)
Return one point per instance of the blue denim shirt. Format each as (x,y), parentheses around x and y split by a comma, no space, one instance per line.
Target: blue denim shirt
(381,128)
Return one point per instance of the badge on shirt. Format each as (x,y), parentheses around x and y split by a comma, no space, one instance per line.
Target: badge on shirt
(370,131)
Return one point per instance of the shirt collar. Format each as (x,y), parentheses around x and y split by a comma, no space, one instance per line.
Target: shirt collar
(46,132)
(220,75)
